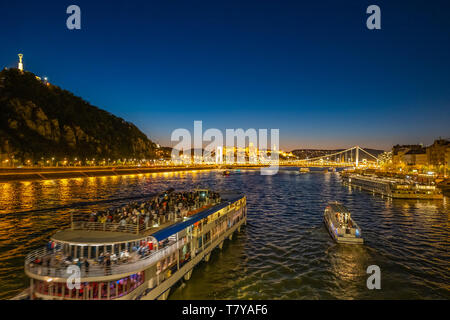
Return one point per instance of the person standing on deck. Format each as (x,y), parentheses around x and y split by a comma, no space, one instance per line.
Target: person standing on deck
(108,266)
(86,266)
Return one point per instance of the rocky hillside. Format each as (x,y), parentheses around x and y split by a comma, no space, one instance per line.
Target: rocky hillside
(42,120)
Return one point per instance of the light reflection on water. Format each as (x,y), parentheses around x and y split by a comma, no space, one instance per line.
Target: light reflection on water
(284,252)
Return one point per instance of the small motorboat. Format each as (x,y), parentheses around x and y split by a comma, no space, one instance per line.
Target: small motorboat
(226,173)
(340,225)
(304,170)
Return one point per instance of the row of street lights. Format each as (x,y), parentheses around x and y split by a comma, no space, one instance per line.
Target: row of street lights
(71,162)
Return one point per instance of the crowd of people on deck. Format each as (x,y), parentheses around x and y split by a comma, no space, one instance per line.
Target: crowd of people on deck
(56,258)
(165,207)
(344,219)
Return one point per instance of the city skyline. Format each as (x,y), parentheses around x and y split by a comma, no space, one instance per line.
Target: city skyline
(158,66)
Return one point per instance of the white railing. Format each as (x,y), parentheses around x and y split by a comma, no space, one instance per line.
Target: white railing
(107,226)
(95,270)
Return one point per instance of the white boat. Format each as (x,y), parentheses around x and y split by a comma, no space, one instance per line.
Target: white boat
(392,187)
(127,261)
(340,225)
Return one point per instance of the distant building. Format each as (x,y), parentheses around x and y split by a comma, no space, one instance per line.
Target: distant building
(435,157)
(439,153)
(416,157)
(399,152)
(447,159)
(386,157)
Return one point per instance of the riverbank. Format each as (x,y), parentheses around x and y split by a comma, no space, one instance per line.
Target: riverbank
(33,174)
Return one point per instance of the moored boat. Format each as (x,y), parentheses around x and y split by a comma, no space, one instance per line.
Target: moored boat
(304,170)
(393,187)
(340,224)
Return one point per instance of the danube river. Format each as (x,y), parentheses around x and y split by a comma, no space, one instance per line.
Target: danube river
(284,252)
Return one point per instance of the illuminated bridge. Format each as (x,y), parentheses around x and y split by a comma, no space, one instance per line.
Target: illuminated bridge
(351,157)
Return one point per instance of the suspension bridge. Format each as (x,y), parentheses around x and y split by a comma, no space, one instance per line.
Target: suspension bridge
(351,157)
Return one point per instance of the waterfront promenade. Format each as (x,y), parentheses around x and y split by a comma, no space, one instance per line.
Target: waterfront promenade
(8,174)
(50,173)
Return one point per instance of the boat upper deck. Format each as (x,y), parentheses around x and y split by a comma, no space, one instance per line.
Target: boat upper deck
(91,237)
(87,236)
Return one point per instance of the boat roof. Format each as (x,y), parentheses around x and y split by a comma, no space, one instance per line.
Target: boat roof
(77,237)
(338,207)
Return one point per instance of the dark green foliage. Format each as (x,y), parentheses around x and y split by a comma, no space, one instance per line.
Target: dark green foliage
(38,120)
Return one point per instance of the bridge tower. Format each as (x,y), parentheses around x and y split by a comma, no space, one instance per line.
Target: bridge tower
(357,155)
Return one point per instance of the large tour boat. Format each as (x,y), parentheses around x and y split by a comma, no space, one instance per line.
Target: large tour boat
(394,188)
(139,251)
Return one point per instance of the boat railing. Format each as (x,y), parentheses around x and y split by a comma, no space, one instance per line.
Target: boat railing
(95,269)
(108,226)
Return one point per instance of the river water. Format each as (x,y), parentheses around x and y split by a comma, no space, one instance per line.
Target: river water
(284,252)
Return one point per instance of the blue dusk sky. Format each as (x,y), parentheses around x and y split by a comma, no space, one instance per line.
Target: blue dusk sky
(309,68)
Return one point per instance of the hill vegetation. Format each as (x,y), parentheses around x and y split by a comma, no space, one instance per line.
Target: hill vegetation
(40,120)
